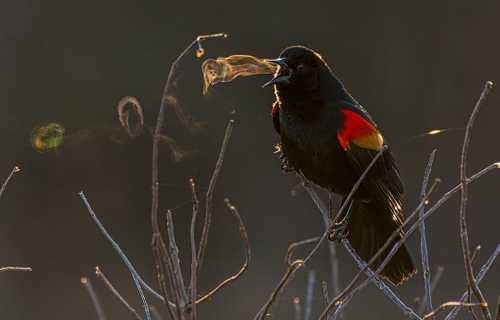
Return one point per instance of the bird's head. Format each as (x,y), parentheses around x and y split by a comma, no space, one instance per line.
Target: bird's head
(299,66)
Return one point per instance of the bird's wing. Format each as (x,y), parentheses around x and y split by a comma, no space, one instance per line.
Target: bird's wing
(361,140)
(275,113)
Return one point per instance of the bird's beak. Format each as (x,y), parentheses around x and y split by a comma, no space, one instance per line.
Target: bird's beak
(282,75)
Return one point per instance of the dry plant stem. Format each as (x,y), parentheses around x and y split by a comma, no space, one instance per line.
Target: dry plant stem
(326,295)
(23,269)
(293,246)
(209,206)
(135,275)
(497,313)
(244,267)
(163,276)
(373,277)
(484,269)
(6,182)
(438,204)
(99,274)
(464,235)
(174,258)
(424,251)
(434,282)
(297,308)
(193,283)
(93,296)
(333,253)
(447,305)
(311,280)
(157,241)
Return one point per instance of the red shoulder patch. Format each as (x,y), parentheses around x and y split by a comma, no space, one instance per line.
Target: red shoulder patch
(359,131)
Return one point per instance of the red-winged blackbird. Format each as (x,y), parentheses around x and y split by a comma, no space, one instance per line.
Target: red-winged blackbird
(328,137)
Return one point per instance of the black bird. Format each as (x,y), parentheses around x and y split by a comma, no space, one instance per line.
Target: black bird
(330,138)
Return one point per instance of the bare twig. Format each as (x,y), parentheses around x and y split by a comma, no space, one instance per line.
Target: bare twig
(431,210)
(174,258)
(23,269)
(437,276)
(193,285)
(447,305)
(482,272)
(209,206)
(464,235)
(158,245)
(6,182)
(99,274)
(244,267)
(93,296)
(297,308)
(135,275)
(293,246)
(326,295)
(475,253)
(435,280)
(424,251)
(497,313)
(311,280)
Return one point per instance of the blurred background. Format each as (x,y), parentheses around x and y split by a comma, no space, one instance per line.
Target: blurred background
(415,65)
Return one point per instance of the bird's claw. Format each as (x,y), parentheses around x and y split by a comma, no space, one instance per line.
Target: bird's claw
(285,164)
(338,232)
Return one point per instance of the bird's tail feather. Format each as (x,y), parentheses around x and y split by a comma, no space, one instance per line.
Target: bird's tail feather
(370,224)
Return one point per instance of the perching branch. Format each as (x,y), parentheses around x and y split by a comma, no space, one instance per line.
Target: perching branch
(447,305)
(464,235)
(23,269)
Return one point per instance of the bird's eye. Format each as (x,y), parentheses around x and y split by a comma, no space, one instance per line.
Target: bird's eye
(300,67)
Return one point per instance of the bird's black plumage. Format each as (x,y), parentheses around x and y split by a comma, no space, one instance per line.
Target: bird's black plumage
(328,136)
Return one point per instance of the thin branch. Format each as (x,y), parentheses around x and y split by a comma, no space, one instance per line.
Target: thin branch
(99,274)
(497,313)
(464,235)
(334,263)
(311,280)
(135,275)
(326,295)
(93,296)
(6,182)
(193,284)
(209,206)
(475,253)
(244,267)
(484,269)
(435,280)
(174,258)
(156,241)
(293,246)
(447,305)
(424,251)
(23,269)
(297,308)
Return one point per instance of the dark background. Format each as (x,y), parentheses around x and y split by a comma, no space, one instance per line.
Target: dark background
(414,65)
